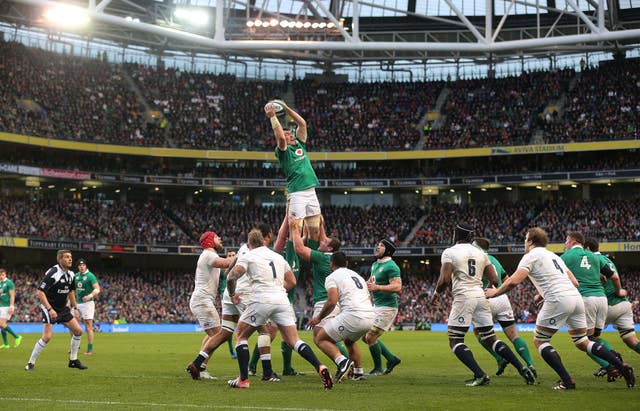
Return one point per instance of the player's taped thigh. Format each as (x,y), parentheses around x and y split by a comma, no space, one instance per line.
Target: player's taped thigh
(542,335)
(486,334)
(312,221)
(229,325)
(628,333)
(264,341)
(456,335)
(579,338)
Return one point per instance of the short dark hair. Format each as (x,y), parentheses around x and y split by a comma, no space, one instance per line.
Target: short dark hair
(538,236)
(61,253)
(592,244)
(264,228)
(339,259)
(334,243)
(576,236)
(2,270)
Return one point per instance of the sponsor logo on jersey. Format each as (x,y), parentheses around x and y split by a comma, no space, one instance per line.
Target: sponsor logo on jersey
(299,152)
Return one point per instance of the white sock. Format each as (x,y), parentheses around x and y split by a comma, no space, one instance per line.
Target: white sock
(75,345)
(37,349)
(339,360)
(358,370)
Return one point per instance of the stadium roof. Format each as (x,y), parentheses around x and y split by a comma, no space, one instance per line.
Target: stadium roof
(363,31)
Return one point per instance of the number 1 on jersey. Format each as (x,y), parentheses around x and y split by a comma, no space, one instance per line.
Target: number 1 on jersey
(273,268)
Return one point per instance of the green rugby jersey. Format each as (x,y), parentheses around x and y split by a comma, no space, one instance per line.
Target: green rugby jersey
(84,285)
(499,270)
(5,297)
(609,289)
(297,167)
(320,268)
(586,267)
(383,273)
(294,261)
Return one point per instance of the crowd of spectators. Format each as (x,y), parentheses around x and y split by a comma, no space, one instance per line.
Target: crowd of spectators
(162,296)
(53,95)
(603,105)
(497,112)
(170,222)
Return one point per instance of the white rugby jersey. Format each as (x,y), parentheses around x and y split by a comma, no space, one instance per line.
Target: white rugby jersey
(548,273)
(265,269)
(207,277)
(243,284)
(468,263)
(353,295)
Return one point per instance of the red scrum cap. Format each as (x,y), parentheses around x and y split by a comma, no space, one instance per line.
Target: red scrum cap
(207,239)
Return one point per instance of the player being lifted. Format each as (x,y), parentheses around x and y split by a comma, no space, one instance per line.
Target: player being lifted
(464,265)
(291,152)
(562,305)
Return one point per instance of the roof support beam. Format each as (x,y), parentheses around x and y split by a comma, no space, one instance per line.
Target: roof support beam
(583,17)
(466,21)
(333,19)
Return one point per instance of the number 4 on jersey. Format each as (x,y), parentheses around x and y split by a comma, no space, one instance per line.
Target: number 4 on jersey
(584,263)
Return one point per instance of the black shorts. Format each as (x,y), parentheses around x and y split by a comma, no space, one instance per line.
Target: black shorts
(64,316)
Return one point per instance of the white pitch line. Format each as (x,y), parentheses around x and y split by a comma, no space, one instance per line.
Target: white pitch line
(155,404)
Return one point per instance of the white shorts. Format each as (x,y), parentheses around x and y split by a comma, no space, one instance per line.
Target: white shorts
(347,326)
(317,307)
(4,313)
(569,310)
(229,308)
(467,311)
(206,313)
(385,317)
(501,308)
(621,316)
(304,203)
(595,309)
(87,310)
(257,314)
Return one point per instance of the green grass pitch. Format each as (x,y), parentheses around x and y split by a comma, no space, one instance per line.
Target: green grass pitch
(146,371)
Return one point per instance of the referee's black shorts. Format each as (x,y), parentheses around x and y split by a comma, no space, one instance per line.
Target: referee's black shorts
(64,316)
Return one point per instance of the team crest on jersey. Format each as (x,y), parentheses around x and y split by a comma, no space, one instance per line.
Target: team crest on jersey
(460,319)
(299,152)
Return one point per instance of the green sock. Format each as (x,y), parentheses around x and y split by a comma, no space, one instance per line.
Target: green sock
(90,347)
(253,363)
(5,339)
(486,347)
(286,356)
(230,344)
(10,331)
(385,352)
(523,350)
(375,354)
(637,349)
(604,343)
(342,348)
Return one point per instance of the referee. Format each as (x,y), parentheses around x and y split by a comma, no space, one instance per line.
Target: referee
(54,291)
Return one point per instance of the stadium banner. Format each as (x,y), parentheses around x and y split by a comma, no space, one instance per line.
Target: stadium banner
(435,181)
(115,248)
(578,175)
(13,242)
(26,328)
(471,180)
(517,178)
(321,156)
(57,244)
(406,182)
(156,249)
(8,168)
(66,174)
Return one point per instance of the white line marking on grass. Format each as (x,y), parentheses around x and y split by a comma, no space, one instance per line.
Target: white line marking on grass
(155,404)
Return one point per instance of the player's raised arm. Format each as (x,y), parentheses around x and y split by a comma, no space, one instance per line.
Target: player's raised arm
(301,130)
(302,250)
(281,140)
(283,234)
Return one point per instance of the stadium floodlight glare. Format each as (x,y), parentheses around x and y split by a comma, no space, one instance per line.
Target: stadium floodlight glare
(273,22)
(258,23)
(67,16)
(315,25)
(330,25)
(299,24)
(306,24)
(191,16)
(322,25)
(135,20)
(249,23)
(284,24)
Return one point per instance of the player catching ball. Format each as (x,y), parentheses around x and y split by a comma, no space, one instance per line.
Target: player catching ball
(291,152)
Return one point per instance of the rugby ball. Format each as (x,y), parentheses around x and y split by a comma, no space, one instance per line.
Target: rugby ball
(278,106)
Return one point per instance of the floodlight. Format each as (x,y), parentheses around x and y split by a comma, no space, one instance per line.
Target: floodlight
(67,16)
(192,16)
(307,24)
(273,22)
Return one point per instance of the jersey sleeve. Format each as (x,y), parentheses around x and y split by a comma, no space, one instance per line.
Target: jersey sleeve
(394,272)
(92,279)
(317,257)
(10,285)
(446,256)
(527,262)
(243,261)
(48,280)
(330,282)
